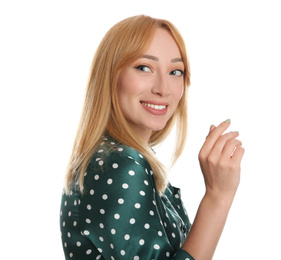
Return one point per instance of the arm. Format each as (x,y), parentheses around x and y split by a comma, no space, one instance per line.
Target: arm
(221,171)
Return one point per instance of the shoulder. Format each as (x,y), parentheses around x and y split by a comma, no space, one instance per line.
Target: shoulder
(119,165)
(111,154)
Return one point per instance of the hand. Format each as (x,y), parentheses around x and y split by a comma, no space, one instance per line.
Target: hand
(220,158)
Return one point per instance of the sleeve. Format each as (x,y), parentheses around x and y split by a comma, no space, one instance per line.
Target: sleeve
(119,213)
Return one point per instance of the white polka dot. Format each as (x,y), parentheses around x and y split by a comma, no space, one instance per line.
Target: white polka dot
(132,221)
(131,172)
(112,246)
(114,165)
(100,151)
(125,186)
(127,237)
(136,257)
(78,243)
(92,192)
(173,235)
(167,254)
(146,226)
(86,232)
(145,182)
(137,205)
(71,255)
(116,216)
(101,225)
(141,242)
(63,224)
(120,201)
(122,252)
(174,225)
(142,193)
(137,163)
(120,149)
(102,211)
(88,221)
(160,233)
(177,196)
(109,181)
(156,247)
(69,213)
(65,244)
(75,202)
(113,231)
(151,212)
(68,234)
(112,143)
(104,197)
(89,251)
(101,239)
(140,156)
(89,207)
(96,177)
(75,223)
(65,203)
(100,162)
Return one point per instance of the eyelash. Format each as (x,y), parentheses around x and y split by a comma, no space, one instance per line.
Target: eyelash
(141,68)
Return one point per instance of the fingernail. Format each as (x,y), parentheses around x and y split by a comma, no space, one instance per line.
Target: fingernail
(237,132)
(227,120)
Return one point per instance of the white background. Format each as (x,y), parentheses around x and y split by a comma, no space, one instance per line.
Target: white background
(45,55)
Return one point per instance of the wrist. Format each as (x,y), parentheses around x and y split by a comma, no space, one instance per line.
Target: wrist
(223,199)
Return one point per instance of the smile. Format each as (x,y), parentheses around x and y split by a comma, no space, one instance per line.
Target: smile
(156,107)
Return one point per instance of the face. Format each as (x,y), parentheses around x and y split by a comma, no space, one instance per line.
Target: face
(150,89)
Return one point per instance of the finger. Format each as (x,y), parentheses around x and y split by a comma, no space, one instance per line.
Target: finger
(212,127)
(217,150)
(238,154)
(230,147)
(215,134)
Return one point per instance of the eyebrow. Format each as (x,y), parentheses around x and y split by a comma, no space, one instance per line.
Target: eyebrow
(151,57)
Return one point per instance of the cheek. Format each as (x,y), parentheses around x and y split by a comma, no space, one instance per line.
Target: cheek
(179,93)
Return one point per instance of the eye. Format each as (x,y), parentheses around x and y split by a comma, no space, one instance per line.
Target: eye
(177,73)
(143,68)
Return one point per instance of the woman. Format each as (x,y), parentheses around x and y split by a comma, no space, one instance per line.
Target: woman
(118,203)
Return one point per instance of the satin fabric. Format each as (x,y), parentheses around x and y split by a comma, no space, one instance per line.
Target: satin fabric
(120,214)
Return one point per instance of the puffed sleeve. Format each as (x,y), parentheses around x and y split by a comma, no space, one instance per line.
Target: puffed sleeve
(118,211)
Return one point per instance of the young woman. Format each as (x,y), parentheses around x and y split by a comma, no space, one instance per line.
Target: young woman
(118,203)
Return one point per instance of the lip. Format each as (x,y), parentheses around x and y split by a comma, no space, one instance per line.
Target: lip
(155,103)
(155,111)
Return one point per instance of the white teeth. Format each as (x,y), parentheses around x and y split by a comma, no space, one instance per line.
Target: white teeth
(157,107)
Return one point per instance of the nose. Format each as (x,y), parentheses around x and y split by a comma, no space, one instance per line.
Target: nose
(161,85)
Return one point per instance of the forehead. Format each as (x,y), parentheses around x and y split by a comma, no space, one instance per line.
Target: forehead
(163,45)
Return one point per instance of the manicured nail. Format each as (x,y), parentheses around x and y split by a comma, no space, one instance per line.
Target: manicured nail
(227,120)
(236,132)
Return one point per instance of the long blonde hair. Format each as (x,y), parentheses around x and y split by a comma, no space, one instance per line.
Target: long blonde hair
(123,44)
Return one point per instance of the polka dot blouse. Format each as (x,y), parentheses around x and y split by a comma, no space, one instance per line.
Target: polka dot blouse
(120,215)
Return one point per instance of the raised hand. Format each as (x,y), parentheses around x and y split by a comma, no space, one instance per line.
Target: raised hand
(220,158)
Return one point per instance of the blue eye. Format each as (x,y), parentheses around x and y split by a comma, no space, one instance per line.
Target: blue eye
(143,68)
(177,73)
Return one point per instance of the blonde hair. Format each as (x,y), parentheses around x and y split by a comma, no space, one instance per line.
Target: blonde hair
(123,44)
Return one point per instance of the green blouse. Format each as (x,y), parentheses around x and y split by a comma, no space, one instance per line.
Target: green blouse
(120,214)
